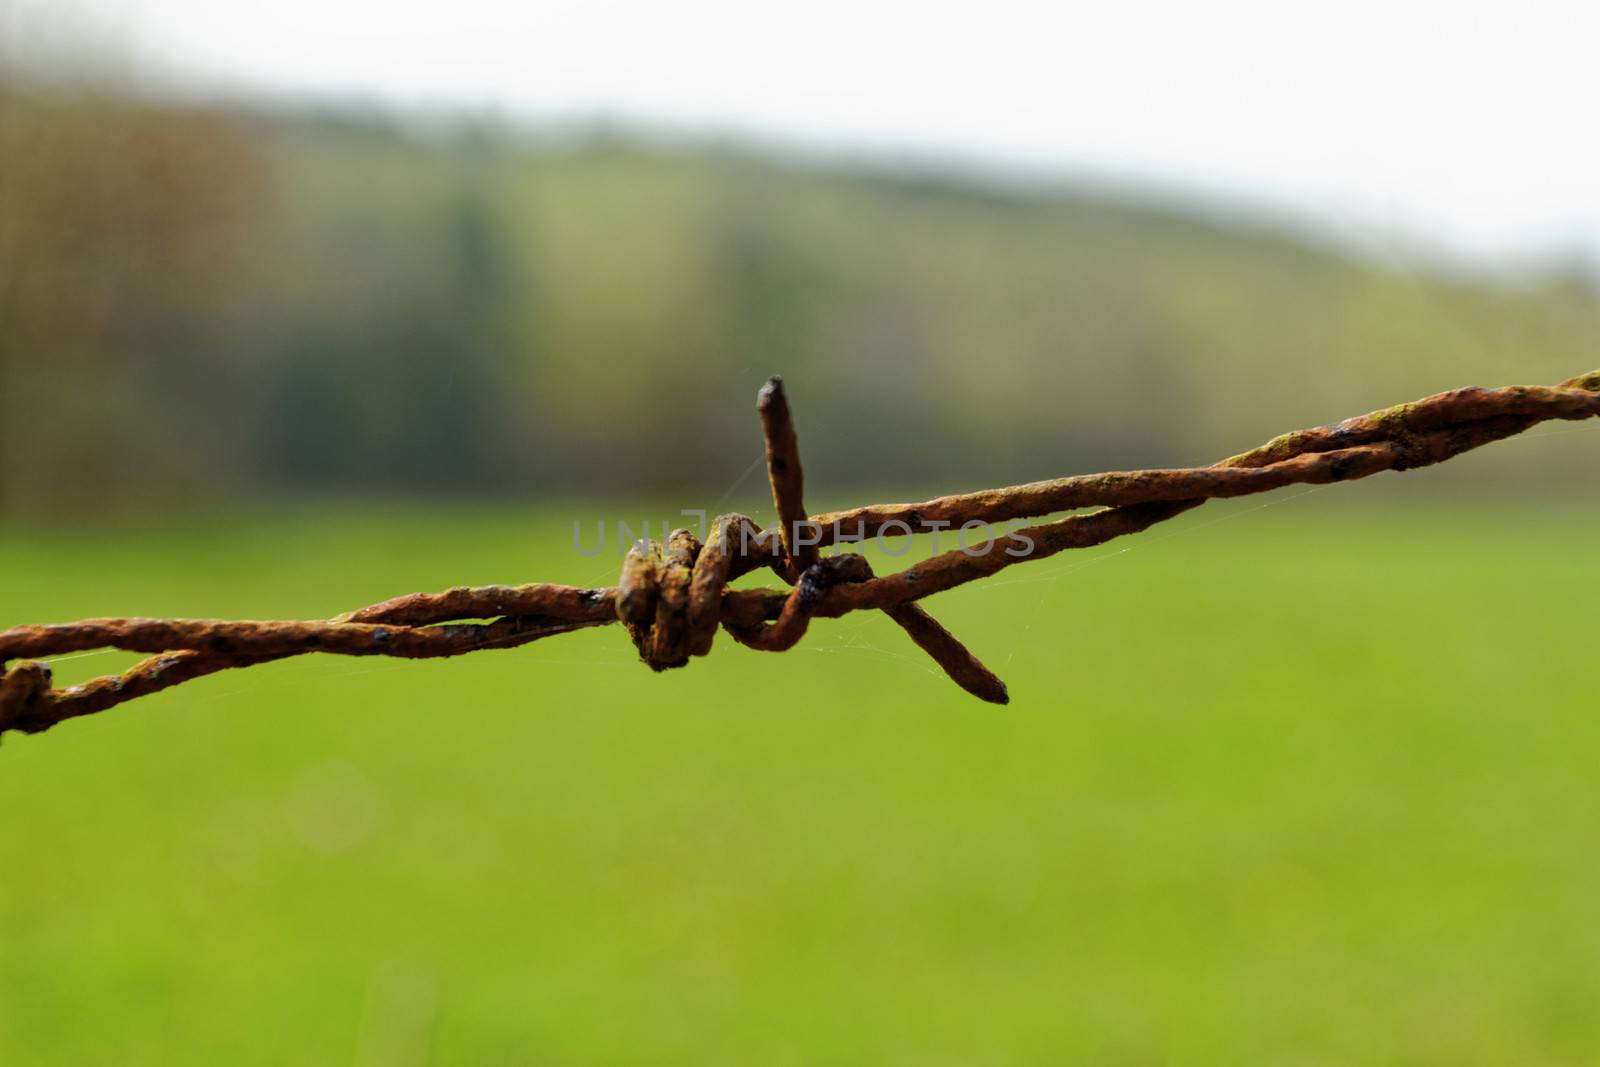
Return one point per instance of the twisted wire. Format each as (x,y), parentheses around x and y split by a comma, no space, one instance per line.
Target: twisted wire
(672,598)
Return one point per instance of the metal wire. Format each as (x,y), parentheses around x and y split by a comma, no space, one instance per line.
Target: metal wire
(673,598)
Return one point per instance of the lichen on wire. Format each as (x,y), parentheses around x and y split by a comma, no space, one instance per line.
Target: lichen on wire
(673,598)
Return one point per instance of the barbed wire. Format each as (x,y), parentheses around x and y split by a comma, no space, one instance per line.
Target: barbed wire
(672,598)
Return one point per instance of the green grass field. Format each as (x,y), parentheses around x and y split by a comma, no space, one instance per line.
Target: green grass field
(1313,784)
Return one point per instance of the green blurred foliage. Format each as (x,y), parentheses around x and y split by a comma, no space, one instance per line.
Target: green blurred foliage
(118,223)
(209,304)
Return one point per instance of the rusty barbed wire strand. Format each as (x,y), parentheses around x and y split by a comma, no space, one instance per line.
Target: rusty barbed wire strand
(672,599)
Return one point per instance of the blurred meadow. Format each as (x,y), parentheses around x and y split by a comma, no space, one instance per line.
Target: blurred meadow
(1302,779)
(1309,782)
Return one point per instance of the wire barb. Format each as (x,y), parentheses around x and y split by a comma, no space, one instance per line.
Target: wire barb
(672,599)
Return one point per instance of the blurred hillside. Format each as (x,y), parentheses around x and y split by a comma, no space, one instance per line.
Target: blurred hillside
(196,305)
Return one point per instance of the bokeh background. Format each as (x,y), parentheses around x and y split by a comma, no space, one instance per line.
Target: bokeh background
(300,309)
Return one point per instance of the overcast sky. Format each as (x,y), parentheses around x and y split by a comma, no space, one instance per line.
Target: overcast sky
(1469,125)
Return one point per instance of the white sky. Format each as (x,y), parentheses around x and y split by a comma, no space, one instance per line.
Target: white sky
(1449,123)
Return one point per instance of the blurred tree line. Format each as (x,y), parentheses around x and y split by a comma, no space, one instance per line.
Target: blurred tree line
(196,304)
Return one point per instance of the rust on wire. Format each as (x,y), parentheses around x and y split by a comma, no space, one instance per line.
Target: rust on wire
(673,598)
(787,478)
